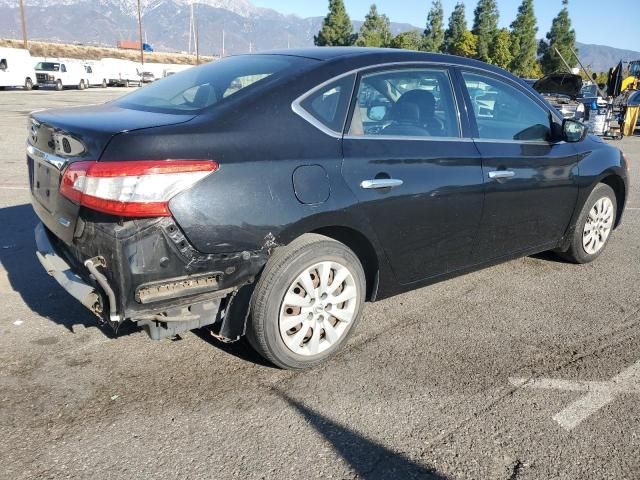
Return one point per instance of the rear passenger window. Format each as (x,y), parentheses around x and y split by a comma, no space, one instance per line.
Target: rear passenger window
(503,112)
(406,103)
(329,104)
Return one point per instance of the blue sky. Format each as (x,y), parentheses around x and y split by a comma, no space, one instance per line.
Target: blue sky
(593,22)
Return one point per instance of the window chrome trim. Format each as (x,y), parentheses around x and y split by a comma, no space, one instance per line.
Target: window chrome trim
(520,142)
(407,137)
(296,105)
(297,108)
(54,160)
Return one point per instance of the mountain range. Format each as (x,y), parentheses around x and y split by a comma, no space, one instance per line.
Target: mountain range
(166,26)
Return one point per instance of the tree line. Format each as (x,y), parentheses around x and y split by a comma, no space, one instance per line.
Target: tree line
(515,49)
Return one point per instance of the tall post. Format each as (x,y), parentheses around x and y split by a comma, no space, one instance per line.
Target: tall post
(563,60)
(222,55)
(190,26)
(196,30)
(24,25)
(140,34)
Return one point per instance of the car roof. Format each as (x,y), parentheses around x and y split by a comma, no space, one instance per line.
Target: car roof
(383,55)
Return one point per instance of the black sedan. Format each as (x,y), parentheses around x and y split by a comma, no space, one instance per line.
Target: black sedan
(271,195)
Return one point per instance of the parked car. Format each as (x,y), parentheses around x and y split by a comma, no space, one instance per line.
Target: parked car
(308,191)
(148,77)
(121,73)
(562,91)
(94,75)
(16,68)
(61,74)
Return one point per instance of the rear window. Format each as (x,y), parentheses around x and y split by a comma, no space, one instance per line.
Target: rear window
(201,87)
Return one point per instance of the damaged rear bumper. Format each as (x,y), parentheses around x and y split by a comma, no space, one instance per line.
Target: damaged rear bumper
(61,271)
(148,273)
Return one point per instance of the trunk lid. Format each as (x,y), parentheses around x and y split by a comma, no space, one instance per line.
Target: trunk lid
(57,138)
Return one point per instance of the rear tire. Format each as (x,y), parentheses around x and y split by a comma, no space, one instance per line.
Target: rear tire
(594,226)
(81,85)
(104,83)
(28,84)
(296,327)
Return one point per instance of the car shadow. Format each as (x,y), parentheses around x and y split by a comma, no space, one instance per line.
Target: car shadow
(549,257)
(39,291)
(369,459)
(240,349)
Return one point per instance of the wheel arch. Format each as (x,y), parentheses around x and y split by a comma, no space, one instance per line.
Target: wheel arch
(364,250)
(618,186)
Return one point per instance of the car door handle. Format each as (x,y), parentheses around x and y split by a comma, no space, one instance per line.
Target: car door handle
(501,174)
(380,183)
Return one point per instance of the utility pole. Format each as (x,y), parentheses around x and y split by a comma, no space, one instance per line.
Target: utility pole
(196,30)
(139,34)
(24,25)
(222,56)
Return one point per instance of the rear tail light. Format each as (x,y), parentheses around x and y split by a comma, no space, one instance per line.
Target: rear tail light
(132,189)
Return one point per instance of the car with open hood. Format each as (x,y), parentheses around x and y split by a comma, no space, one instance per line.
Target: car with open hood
(562,90)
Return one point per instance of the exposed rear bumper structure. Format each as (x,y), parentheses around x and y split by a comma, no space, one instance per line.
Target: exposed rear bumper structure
(116,291)
(61,271)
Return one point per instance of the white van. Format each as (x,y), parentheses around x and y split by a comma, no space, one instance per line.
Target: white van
(16,68)
(120,72)
(61,73)
(172,69)
(94,75)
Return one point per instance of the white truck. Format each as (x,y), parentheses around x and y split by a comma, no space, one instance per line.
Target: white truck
(61,73)
(16,68)
(95,74)
(120,72)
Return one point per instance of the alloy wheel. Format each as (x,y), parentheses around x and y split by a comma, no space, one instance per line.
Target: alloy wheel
(317,308)
(598,226)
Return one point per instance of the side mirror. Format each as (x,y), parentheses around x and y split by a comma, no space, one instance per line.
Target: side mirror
(377,113)
(573,130)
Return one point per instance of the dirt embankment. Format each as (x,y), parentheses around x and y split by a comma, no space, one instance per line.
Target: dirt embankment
(86,52)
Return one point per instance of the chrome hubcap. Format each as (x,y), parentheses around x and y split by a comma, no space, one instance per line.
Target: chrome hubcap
(598,226)
(318,307)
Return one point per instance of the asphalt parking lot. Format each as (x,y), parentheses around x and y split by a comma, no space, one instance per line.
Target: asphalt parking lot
(527,370)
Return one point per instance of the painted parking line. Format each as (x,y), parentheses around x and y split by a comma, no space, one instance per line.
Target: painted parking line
(596,394)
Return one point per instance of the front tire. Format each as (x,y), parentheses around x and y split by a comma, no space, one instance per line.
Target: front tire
(59,85)
(307,302)
(594,226)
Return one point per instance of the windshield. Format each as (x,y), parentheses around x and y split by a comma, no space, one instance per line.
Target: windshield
(589,91)
(201,87)
(48,66)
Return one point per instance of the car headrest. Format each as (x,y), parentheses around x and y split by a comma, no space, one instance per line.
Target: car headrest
(423,99)
(406,112)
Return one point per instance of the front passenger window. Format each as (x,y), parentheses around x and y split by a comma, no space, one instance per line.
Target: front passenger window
(503,112)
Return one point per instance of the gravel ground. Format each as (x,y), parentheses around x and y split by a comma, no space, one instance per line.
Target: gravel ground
(527,370)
